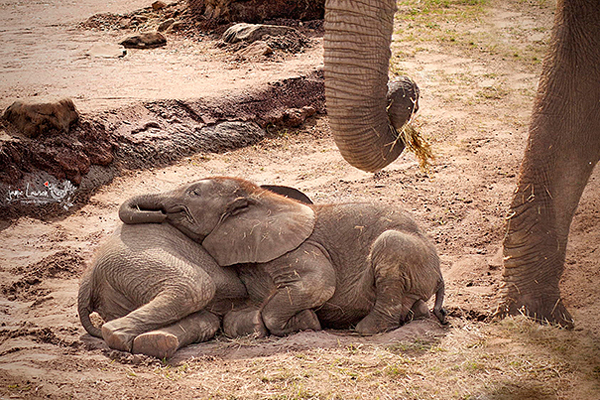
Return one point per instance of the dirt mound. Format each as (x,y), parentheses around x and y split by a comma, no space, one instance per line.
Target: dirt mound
(52,174)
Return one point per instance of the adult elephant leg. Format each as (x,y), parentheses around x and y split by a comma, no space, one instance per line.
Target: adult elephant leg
(563,148)
(305,279)
(184,292)
(406,272)
(163,343)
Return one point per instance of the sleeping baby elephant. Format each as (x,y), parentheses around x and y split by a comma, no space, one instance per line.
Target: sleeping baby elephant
(158,290)
(304,266)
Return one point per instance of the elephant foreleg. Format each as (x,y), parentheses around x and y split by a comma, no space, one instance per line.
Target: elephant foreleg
(563,148)
(164,342)
(305,279)
(406,275)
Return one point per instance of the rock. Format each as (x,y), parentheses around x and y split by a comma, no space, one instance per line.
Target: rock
(294,117)
(147,40)
(177,26)
(163,26)
(107,50)
(34,118)
(255,50)
(158,5)
(250,33)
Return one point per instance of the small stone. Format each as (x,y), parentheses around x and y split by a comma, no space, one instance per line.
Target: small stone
(158,5)
(177,26)
(36,118)
(294,117)
(163,26)
(147,40)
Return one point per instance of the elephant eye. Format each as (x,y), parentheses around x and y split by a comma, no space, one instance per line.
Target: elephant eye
(195,192)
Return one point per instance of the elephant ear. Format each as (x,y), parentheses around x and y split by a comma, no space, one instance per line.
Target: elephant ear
(259,228)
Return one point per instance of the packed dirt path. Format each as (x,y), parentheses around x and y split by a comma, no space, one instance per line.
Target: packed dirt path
(477,66)
(43,53)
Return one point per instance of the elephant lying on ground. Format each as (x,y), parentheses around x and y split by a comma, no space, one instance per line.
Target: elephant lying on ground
(304,266)
(158,289)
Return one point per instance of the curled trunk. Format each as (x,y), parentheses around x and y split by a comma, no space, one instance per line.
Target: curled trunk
(142,209)
(365,117)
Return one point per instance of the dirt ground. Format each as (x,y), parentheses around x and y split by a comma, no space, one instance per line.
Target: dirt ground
(477,64)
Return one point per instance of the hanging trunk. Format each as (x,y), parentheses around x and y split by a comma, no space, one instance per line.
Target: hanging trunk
(356,62)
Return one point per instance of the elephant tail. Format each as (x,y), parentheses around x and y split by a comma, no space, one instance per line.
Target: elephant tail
(85,306)
(438,309)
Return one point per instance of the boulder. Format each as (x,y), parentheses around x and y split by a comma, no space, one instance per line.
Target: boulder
(250,33)
(147,40)
(158,5)
(36,118)
(257,10)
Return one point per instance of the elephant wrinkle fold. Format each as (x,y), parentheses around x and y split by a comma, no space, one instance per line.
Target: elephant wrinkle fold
(253,261)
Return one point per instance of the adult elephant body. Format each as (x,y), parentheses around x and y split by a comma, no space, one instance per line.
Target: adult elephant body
(563,146)
(342,265)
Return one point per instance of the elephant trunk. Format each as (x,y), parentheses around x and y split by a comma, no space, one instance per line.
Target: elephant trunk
(364,116)
(143,209)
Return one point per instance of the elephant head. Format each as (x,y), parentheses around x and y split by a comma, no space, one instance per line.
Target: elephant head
(235,220)
(365,115)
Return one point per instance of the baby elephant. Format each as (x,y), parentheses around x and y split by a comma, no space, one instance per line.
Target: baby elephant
(358,264)
(158,290)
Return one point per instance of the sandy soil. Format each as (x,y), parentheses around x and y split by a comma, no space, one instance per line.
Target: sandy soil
(477,75)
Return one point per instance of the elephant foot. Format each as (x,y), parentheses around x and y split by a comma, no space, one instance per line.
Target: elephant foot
(543,309)
(305,320)
(373,324)
(244,322)
(117,338)
(419,310)
(156,344)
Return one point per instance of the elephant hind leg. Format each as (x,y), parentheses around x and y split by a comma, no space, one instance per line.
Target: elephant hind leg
(181,298)
(164,342)
(407,273)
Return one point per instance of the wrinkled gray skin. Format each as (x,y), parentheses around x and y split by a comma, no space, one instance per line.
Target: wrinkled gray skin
(158,290)
(304,266)
(563,146)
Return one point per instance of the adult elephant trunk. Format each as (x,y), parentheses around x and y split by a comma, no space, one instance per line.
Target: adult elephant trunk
(364,116)
(147,208)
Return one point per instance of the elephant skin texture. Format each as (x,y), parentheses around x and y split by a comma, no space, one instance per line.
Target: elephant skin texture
(304,266)
(562,151)
(157,289)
